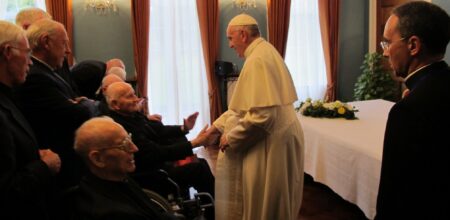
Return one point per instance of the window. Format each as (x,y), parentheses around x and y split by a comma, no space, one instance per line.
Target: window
(9,8)
(304,51)
(177,83)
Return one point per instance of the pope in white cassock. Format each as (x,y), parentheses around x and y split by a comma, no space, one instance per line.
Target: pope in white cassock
(259,170)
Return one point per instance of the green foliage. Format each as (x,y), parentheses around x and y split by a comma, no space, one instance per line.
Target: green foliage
(375,82)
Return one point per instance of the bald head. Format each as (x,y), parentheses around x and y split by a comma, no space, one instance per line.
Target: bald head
(108,80)
(118,71)
(121,98)
(28,16)
(97,133)
(115,62)
(117,90)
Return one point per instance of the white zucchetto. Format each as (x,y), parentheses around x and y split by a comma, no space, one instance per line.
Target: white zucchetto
(242,19)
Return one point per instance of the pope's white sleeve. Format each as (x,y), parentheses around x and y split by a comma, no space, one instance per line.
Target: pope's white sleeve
(256,124)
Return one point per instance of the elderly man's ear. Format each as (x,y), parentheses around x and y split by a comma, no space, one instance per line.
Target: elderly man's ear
(115,105)
(96,159)
(44,41)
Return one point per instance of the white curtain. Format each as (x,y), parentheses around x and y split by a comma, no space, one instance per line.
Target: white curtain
(9,8)
(177,83)
(304,53)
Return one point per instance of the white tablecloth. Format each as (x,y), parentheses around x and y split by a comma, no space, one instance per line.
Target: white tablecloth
(346,154)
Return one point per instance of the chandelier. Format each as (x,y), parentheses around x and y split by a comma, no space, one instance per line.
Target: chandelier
(101,7)
(245,4)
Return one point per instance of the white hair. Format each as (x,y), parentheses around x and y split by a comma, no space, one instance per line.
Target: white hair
(28,16)
(40,28)
(115,91)
(10,32)
(118,72)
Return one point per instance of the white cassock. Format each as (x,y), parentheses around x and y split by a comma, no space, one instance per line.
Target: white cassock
(260,176)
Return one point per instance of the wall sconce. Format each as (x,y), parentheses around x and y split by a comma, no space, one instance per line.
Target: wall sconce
(101,7)
(244,4)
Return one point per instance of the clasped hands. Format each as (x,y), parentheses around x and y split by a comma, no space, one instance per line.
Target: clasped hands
(210,136)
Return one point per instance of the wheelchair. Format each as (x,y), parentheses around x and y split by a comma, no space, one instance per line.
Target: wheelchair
(175,203)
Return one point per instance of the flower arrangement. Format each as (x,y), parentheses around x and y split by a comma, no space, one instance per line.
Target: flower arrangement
(319,109)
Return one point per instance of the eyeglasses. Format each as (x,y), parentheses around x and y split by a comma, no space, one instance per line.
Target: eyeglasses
(125,145)
(26,50)
(386,44)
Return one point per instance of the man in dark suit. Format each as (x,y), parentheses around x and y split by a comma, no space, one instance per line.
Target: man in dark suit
(24,19)
(53,109)
(25,171)
(415,171)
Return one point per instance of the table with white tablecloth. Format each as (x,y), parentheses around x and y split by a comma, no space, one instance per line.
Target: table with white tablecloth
(346,154)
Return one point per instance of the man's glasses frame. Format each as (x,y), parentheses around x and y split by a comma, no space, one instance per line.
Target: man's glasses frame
(125,145)
(26,50)
(386,44)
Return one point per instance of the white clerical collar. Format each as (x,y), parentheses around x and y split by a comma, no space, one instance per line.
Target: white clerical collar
(417,70)
(51,68)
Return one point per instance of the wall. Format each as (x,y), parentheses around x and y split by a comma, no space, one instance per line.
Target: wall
(353,45)
(227,12)
(102,37)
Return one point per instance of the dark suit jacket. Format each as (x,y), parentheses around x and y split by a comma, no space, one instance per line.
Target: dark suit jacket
(24,178)
(415,172)
(44,100)
(65,73)
(88,76)
(157,143)
(98,199)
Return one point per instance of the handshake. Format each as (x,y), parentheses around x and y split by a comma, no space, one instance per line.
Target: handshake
(210,136)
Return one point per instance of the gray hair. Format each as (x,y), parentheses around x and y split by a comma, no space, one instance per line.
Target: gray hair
(9,32)
(252,30)
(118,72)
(41,28)
(28,16)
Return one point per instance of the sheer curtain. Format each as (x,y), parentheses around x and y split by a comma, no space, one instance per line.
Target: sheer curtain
(304,53)
(9,8)
(177,84)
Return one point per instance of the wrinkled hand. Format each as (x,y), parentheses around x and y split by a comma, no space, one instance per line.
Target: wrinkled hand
(78,99)
(201,139)
(223,145)
(51,159)
(154,117)
(189,122)
(213,136)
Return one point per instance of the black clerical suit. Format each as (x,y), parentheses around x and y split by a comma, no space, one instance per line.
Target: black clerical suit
(415,171)
(99,199)
(88,76)
(45,101)
(159,146)
(24,178)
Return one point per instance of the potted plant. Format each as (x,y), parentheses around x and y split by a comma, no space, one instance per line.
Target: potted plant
(375,82)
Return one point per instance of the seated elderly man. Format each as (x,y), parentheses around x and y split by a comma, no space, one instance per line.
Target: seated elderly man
(106,81)
(107,192)
(160,145)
